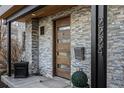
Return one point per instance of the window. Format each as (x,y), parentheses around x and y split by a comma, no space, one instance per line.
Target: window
(23,43)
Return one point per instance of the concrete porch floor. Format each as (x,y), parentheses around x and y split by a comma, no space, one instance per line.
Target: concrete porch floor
(36,82)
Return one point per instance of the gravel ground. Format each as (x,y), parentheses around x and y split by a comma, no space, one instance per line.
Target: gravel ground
(2,85)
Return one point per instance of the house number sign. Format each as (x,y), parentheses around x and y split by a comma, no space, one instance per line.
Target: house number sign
(100,35)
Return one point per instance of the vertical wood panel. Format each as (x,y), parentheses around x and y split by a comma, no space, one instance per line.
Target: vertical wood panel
(35,46)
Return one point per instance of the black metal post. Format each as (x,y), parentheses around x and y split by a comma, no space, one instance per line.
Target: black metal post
(94,18)
(9,48)
(99,46)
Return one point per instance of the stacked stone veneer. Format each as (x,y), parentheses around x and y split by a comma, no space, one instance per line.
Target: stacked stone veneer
(39,47)
(115,41)
(80,37)
(45,48)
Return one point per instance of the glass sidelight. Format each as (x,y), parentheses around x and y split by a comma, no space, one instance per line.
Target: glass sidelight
(64,34)
(64,67)
(64,28)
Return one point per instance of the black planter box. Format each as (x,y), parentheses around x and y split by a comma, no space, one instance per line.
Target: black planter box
(21,70)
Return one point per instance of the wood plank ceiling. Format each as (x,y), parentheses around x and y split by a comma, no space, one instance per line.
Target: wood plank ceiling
(12,10)
(46,11)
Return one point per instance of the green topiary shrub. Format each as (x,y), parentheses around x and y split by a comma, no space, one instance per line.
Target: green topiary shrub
(79,79)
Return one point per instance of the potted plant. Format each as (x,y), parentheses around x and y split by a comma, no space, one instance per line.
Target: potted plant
(79,79)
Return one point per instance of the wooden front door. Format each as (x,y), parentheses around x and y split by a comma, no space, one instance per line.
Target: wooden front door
(62,64)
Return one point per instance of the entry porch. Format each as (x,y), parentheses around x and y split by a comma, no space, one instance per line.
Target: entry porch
(36,82)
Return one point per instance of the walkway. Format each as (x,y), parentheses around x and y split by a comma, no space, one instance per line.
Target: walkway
(36,82)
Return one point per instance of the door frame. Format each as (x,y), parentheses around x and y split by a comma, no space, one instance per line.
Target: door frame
(54,43)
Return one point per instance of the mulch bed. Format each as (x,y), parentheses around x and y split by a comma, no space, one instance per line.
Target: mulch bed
(2,85)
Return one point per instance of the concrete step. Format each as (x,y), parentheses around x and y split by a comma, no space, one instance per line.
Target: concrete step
(34,82)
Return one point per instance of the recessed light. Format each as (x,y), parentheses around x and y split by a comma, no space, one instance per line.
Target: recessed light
(33,14)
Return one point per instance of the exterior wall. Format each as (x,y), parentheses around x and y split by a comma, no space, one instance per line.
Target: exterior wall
(45,48)
(80,36)
(115,52)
